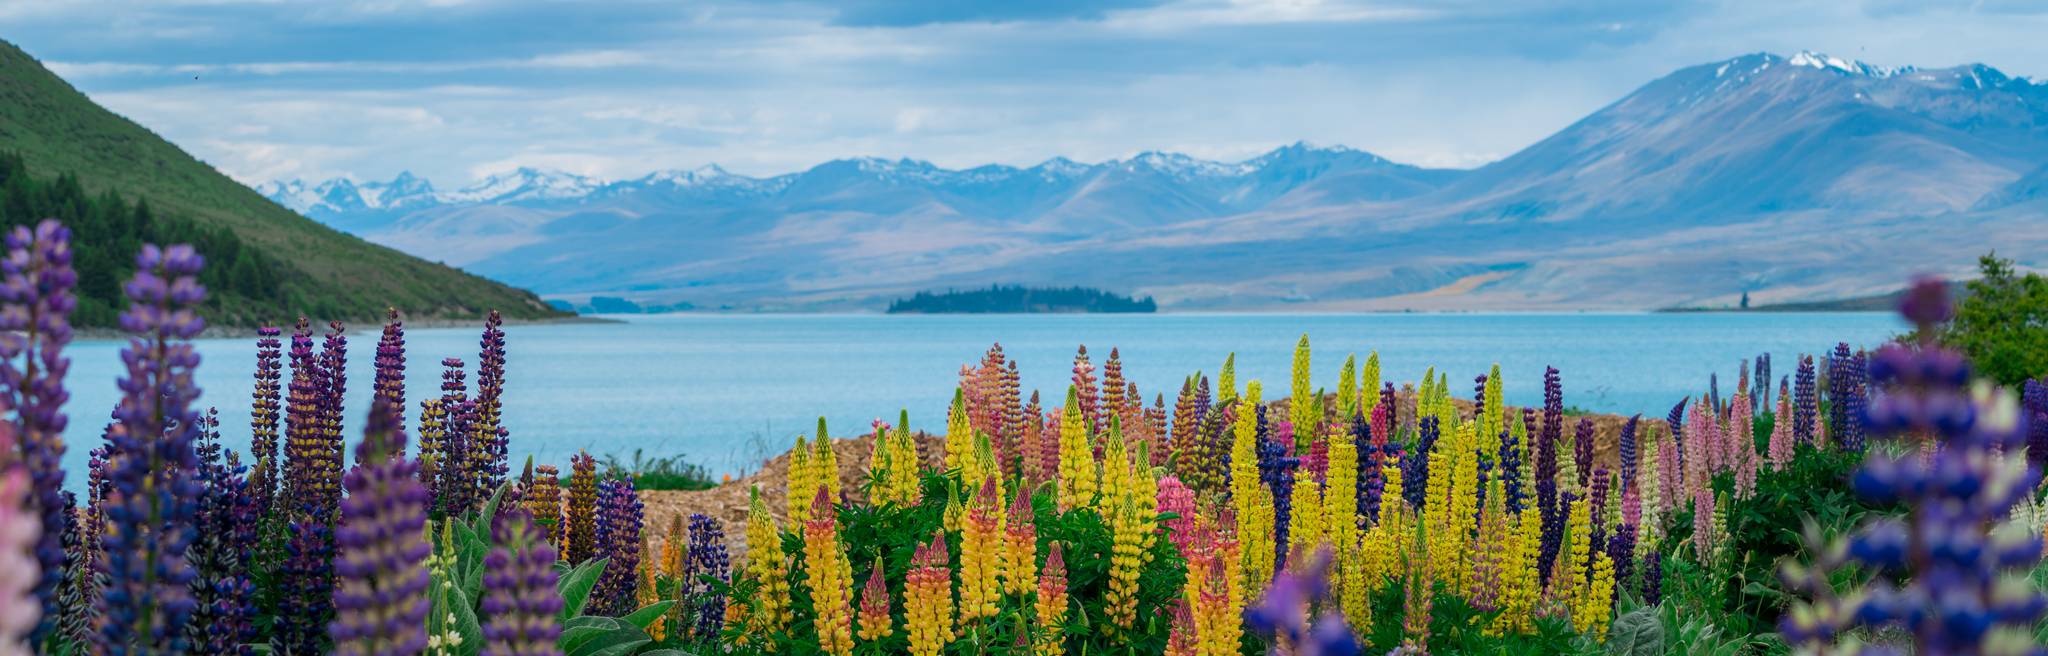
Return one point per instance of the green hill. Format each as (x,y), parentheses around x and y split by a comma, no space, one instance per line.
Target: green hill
(74,148)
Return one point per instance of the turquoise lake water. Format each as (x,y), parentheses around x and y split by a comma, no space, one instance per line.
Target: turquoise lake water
(726,389)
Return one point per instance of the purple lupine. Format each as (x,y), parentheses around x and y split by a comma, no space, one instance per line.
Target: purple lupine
(453,487)
(1597,504)
(1383,425)
(1276,471)
(706,561)
(334,383)
(488,456)
(79,596)
(1370,484)
(264,405)
(225,610)
(1714,393)
(1653,578)
(1511,472)
(1846,397)
(1676,422)
(1549,507)
(389,385)
(1283,612)
(1582,451)
(2036,404)
(380,597)
(312,501)
(521,609)
(1628,448)
(1956,570)
(1621,550)
(619,521)
(1805,402)
(35,324)
(152,464)
(1415,467)
(1762,382)
(1553,406)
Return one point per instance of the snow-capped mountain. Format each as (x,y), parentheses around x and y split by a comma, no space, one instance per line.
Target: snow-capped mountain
(1790,178)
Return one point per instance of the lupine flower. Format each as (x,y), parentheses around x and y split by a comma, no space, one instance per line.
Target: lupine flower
(1339,522)
(1676,422)
(381,594)
(1370,479)
(706,561)
(1763,383)
(225,609)
(1703,537)
(1113,399)
(154,495)
(1963,591)
(263,419)
(1653,579)
(1627,446)
(619,521)
(1415,469)
(1805,402)
(1596,606)
(1086,394)
(928,598)
(1176,499)
(1521,581)
(825,463)
(874,622)
(1741,444)
(1548,506)
(582,514)
(1418,592)
(1181,639)
(1077,459)
(1490,561)
(35,324)
(1621,550)
(489,454)
(829,577)
(1780,449)
(521,608)
(981,553)
(456,452)
(1284,612)
(767,610)
(1129,527)
(1582,452)
(390,365)
(2035,400)
(1050,603)
(544,502)
(20,530)
(1020,545)
(1846,396)
(84,578)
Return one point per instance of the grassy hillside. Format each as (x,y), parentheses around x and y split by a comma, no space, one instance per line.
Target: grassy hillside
(324,273)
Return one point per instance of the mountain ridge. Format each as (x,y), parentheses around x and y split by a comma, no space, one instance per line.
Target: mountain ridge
(1791,178)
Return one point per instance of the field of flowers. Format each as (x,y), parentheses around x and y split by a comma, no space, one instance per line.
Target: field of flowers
(1879,500)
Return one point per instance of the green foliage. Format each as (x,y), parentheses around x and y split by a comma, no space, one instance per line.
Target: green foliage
(894,534)
(1741,591)
(2002,323)
(663,473)
(306,268)
(1017,299)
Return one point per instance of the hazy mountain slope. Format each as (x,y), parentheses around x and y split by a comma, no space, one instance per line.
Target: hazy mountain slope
(1792,178)
(57,129)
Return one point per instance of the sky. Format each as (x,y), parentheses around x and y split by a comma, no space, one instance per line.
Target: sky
(454,90)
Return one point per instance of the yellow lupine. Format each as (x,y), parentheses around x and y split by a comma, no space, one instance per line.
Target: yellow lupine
(1305,523)
(1464,504)
(1020,546)
(1347,390)
(1117,475)
(1051,605)
(1244,458)
(1437,508)
(1568,580)
(899,479)
(959,432)
(1390,491)
(1369,385)
(1226,380)
(1301,406)
(649,593)
(1490,417)
(981,551)
(955,515)
(672,551)
(767,610)
(1128,529)
(1488,559)
(800,482)
(825,464)
(1257,534)
(873,621)
(1520,580)
(1596,605)
(829,577)
(1340,500)
(1356,585)
(1077,457)
(1420,591)
(928,599)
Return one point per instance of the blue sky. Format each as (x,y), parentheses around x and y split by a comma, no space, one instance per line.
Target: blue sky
(455,89)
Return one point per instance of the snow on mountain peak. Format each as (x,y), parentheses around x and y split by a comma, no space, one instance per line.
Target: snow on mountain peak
(1824,62)
(526,183)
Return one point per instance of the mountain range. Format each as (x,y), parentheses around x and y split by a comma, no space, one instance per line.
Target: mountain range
(1789,178)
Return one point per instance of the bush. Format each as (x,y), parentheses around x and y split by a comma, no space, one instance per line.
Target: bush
(2001,323)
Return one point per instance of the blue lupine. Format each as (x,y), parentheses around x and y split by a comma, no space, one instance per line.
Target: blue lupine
(35,324)
(154,494)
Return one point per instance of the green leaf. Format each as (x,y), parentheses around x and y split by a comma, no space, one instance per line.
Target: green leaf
(587,635)
(1637,633)
(489,511)
(646,615)
(466,623)
(575,587)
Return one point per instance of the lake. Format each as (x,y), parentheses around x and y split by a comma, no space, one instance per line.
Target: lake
(726,389)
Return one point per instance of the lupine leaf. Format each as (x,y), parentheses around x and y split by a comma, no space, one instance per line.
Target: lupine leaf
(575,587)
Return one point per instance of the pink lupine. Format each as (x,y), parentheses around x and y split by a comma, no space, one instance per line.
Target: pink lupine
(1670,478)
(1175,497)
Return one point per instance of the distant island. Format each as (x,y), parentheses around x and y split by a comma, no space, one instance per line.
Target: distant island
(1001,299)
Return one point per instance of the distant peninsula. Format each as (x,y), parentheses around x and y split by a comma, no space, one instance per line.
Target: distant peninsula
(1003,299)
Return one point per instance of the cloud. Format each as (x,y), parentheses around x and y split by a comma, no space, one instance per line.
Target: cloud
(367,88)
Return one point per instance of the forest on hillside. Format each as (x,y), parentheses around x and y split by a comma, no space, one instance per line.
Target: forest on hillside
(1013,299)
